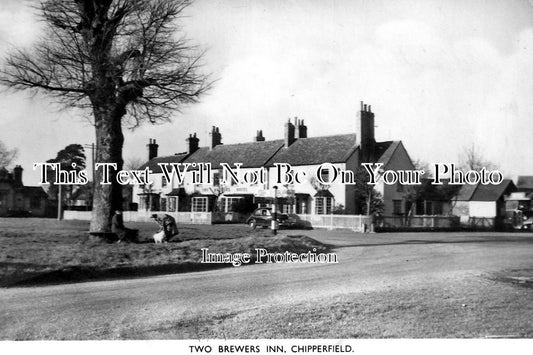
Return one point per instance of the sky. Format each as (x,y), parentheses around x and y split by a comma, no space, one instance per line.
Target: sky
(440,76)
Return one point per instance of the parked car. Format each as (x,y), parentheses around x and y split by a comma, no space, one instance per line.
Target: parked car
(262,217)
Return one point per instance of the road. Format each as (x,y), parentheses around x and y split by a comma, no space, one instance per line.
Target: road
(94,310)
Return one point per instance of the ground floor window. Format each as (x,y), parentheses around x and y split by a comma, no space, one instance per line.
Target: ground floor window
(429,208)
(286,208)
(149,202)
(3,198)
(301,206)
(226,203)
(199,204)
(172,204)
(397,207)
(323,205)
(163,204)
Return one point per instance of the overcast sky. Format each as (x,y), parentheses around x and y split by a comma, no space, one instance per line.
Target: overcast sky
(440,75)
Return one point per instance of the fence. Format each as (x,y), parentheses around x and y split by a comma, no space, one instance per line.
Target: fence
(417,223)
(487,223)
(356,223)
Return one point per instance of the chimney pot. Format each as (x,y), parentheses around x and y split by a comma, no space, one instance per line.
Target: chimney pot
(365,134)
(259,137)
(17,175)
(152,149)
(192,143)
(216,137)
(289,133)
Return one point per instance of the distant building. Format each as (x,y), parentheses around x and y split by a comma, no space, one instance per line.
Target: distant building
(525,184)
(17,199)
(304,154)
(482,201)
(433,200)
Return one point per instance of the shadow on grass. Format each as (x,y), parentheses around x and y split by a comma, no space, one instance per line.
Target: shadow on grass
(74,274)
(150,261)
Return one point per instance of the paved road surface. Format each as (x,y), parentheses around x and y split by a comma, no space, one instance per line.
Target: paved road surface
(380,261)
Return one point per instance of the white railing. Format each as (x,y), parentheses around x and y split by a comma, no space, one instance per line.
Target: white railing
(335,221)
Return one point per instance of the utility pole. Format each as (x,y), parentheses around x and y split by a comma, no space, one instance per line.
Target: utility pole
(274,224)
(59,204)
(92,147)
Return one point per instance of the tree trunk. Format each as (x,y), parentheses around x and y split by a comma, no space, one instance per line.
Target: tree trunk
(109,141)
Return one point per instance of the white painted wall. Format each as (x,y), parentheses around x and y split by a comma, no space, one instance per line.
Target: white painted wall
(482,209)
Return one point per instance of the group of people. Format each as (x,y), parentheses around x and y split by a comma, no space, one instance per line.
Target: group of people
(166,223)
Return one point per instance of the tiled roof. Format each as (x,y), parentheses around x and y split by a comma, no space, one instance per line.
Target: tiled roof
(492,192)
(316,150)
(385,151)
(251,155)
(466,192)
(525,182)
(154,168)
(303,151)
(489,192)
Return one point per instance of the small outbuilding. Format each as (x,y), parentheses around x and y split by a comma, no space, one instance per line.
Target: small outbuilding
(482,201)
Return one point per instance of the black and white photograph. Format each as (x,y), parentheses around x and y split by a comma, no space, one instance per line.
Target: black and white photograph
(267,176)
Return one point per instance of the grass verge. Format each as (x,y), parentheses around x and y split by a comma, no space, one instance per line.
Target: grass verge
(464,308)
(40,251)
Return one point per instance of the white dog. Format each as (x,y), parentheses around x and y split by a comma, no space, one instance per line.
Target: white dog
(159,236)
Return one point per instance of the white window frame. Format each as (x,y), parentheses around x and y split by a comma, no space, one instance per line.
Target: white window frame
(227,202)
(199,204)
(172,204)
(324,205)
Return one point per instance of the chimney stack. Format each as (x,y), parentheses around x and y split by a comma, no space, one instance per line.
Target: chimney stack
(289,133)
(301,129)
(259,137)
(17,175)
(152,149)
(216,137)
(192,143)
(365,133)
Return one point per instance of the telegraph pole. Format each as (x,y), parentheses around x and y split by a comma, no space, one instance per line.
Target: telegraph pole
(59,204)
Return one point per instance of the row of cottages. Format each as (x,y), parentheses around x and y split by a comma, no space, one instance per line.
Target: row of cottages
(303,153)
(17,199)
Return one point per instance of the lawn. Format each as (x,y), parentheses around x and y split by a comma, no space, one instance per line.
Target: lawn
(43,251)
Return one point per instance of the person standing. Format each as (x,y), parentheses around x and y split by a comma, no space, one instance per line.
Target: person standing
(117,226)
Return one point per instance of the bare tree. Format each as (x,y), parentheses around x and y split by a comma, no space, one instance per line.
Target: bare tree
(473,159)
(6,155)
(122,60)
(133,163)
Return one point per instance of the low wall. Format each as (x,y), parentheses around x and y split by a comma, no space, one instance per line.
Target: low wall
(356,223)
(144,216)
(229,217)
(79,215)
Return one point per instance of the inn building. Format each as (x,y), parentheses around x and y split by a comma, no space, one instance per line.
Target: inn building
(304,154)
